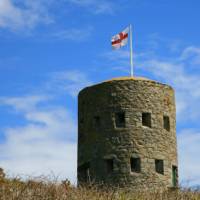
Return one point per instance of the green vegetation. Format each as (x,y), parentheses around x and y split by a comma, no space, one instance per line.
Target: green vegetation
(42,189)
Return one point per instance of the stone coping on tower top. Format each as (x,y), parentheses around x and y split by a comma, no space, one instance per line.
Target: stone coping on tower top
(127,78)
(134,78)
(123,78)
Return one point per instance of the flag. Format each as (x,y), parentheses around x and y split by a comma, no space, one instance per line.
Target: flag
(120,39)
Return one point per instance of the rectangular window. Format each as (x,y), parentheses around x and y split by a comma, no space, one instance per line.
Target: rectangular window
(146,119)
(135,165)
(109,165)
(120,119)
(174,176)
(166,123)
(159,166)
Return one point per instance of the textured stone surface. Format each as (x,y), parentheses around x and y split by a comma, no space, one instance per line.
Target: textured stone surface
(99,139)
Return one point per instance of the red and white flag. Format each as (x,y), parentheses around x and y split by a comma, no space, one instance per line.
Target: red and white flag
(120,39)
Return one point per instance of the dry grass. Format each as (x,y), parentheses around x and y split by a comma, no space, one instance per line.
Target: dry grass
(15,189)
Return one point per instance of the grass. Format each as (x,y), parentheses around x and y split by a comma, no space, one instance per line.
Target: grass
(44,189)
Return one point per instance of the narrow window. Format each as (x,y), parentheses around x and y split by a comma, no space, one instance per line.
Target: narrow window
(97,121)
(166,123)
(84,172)
(135,165)
(109,165)
(159,166)
(174,176)
(146,119)
(120,119)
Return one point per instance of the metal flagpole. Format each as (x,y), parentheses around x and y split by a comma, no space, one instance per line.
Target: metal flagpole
(131,50)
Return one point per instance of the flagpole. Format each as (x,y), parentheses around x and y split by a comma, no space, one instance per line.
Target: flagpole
(131,50)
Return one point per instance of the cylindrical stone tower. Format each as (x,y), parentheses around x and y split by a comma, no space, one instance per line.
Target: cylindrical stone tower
(127,134)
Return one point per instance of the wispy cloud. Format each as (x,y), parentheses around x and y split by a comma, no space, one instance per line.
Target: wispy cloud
(32,149)
(154,42)
(189,162)
(192,54)
(120,60)
(70,82)
(74,34)
(23,104)
(47,140)
(96,6)
(18,14)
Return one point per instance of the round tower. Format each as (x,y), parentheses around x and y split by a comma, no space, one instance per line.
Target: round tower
(127,134)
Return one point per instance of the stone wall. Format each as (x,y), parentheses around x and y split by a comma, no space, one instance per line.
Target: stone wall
(105,147)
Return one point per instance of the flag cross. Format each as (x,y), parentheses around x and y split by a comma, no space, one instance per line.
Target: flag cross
(121,36)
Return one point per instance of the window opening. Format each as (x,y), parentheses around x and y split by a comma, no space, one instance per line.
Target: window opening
(159,166)
(174,176)
(109,165)
(120,119)
(166,123)
(135,165)
(84,172)
(146,119)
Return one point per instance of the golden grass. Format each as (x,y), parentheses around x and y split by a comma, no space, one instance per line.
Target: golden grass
(42,189)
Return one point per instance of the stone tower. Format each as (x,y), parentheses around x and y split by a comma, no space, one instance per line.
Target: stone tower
(127,134)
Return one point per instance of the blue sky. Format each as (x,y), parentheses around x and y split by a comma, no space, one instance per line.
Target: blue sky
(50,49)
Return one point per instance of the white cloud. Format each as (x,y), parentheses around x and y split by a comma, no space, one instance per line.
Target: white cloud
(68,81)
(26,14)
(45,144)
(47,140)
(192,54)
(17,14)
(23,104)
(189,162)
(74,34)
